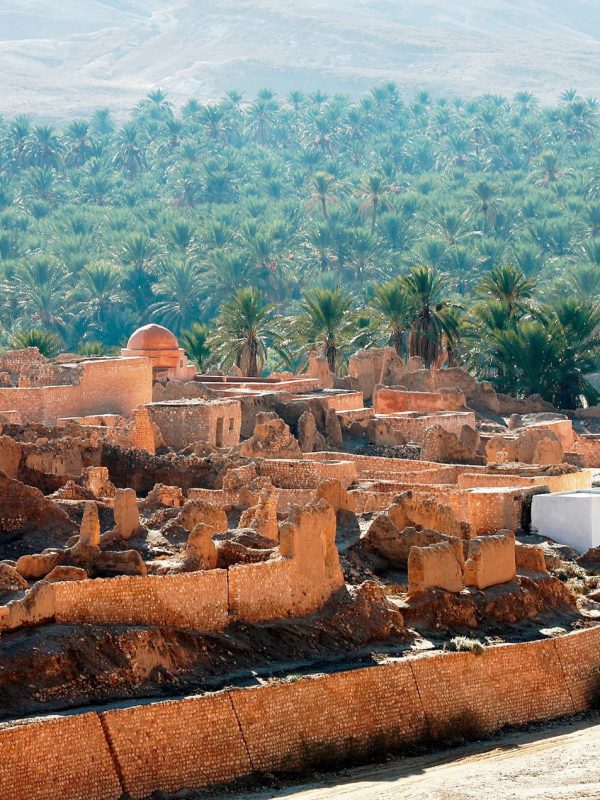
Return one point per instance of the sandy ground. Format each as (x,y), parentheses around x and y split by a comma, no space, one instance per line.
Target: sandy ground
(554,763)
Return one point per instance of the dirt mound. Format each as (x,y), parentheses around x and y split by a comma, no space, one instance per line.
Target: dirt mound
(505,604)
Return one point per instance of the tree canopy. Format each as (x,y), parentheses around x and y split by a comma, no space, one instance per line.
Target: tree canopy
(447,228)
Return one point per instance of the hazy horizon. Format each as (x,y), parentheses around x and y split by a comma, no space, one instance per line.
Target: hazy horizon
(59,62)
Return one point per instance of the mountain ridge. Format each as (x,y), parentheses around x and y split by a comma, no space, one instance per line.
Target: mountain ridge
(71,60)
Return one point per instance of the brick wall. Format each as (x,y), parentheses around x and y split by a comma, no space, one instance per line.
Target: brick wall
(304,473)
(284,727)
(365,464)
(588,447)
(191,742)
(63,756)
(184,422)
(229,498)
(111,386)
(262,591)
(556,483)
(289,726)
(298,582)
(412,425)
(194,600)
(390,401)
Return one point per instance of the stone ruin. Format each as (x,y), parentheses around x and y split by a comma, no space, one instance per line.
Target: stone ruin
(197,523)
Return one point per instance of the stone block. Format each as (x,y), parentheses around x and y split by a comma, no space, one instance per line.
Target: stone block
(491,560)
(434,567)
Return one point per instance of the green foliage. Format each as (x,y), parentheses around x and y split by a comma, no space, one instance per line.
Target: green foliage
(455,231)
(195,343)
(47,343)
(244,331)
(463,644)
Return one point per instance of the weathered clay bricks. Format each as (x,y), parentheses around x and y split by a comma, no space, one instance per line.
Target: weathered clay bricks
(288,726)
(190,742)
(64,756)
(194,600)
(505,685)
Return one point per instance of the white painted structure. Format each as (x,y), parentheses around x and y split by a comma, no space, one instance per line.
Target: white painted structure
(571,518)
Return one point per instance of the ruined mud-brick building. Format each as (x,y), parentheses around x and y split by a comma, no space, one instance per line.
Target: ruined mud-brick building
(163,533)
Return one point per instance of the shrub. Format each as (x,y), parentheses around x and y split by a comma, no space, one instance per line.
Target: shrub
(462,644)
(578,586)
(464,727)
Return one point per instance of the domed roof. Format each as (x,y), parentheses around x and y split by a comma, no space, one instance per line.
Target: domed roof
(152,337)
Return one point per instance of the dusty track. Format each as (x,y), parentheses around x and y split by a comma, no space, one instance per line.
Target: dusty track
(554,763)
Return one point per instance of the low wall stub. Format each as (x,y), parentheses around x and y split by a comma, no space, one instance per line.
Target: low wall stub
(66,757)
(170,745)
(290,726)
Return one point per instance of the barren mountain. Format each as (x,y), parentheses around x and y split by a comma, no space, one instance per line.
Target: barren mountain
(70,57)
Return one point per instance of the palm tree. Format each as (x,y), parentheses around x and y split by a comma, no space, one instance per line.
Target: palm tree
(393,305)
(374,189)
(47,343)
(44,148)
(510,285)
(577,329)
(245,330)
(323,195)
(100,291)
(323,324)
(225,273)
(195,343)
(40,287)
(130,155)
(432,326)
(77,134)
(178,295)
(138,256)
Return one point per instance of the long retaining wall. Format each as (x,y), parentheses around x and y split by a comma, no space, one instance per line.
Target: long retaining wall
(198,741)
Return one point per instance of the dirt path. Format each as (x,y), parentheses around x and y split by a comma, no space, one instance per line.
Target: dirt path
(554,763)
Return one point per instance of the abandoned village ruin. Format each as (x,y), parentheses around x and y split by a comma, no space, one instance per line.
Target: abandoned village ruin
(163,531)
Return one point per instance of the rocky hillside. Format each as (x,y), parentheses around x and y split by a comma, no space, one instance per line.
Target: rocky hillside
(61,58)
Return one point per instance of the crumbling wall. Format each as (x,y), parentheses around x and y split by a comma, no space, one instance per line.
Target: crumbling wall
(434,567)
(412,425)
(141,470)
(302,581)
(304,473)
(185,422)
(116,386)
(194,600)
(491,560)
(391,401)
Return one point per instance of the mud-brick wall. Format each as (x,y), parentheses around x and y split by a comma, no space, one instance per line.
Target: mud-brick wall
(205,740)
(588,447)
(194,600)
(305,474)
(505,685)
(190,742)
(580,660)
(262,591)
(365,464)
(300,723)
(114,386)
(184,422)
(64,757)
